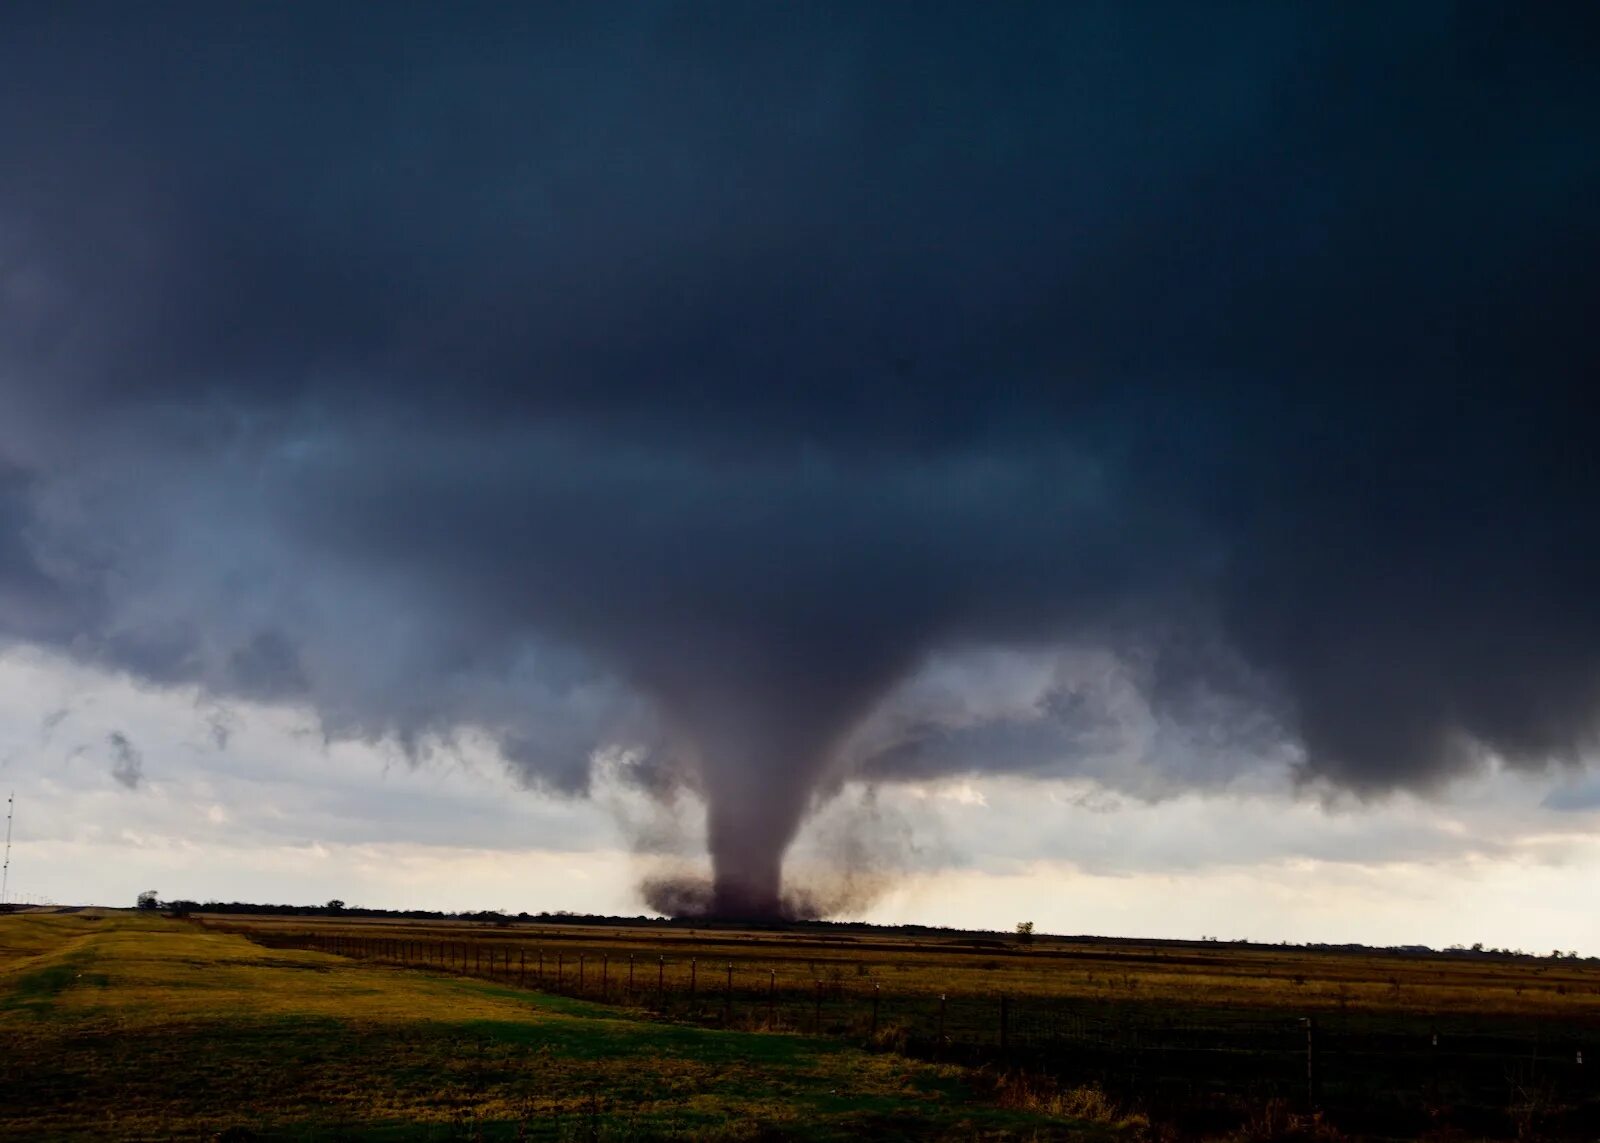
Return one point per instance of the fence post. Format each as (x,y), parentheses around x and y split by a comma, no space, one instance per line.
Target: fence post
(727,998)
(477,958)
(1005,1012)
(877,991)
(816,1016)
(693,970)
(1311,1063)
(605,974)
(772,995)
(541,968)
(661,976)
(1433,1067)
(941,1019)
(630,975)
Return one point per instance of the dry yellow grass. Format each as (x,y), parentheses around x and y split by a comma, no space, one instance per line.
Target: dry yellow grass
(137,1027)
(1244,977)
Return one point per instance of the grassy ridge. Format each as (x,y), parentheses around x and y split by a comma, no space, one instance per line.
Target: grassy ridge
(128,1027)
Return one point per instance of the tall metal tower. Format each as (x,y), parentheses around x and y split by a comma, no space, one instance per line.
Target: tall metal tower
(5,870)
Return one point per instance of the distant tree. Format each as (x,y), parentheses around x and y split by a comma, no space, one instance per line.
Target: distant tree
(1024,931)
(149,899)
(1477,946)
(182,908)
(336,906)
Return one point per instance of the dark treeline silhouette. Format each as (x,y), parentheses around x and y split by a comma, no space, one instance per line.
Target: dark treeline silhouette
(498,916)
(992,941)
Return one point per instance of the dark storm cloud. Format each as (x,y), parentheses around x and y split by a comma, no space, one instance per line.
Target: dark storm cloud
(475,374)
(127,763)
(32,603)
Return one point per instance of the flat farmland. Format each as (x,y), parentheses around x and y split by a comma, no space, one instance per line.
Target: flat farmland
(136,1026)
(1201,1035)
(1247,977)
(131,1027)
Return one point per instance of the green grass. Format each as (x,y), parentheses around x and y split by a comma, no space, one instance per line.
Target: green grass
(131,1027)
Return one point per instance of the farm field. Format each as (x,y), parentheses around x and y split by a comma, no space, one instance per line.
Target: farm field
(124,1026)
(132,1026)
(1201,1035)
(1171,973)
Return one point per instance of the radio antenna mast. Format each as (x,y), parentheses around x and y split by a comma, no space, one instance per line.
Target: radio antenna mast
(5,870)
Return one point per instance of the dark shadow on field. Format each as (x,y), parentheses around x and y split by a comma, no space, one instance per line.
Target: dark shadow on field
(557,1080)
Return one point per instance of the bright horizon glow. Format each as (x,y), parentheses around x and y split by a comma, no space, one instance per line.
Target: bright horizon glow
(278,816)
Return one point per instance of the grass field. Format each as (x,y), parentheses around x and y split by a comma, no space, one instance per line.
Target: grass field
(1253,978)
(1194,1036)
(119,1026)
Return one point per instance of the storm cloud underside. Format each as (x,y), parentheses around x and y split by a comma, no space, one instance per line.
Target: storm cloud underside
(690,379)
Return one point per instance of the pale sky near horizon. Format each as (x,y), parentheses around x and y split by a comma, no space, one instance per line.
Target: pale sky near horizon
(248,802)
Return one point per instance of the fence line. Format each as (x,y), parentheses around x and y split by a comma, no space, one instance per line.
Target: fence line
(1311,1060)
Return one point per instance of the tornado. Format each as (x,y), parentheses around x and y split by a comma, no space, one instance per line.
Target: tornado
(763,732)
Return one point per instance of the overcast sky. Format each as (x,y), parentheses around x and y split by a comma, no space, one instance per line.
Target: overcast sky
(1126,465)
